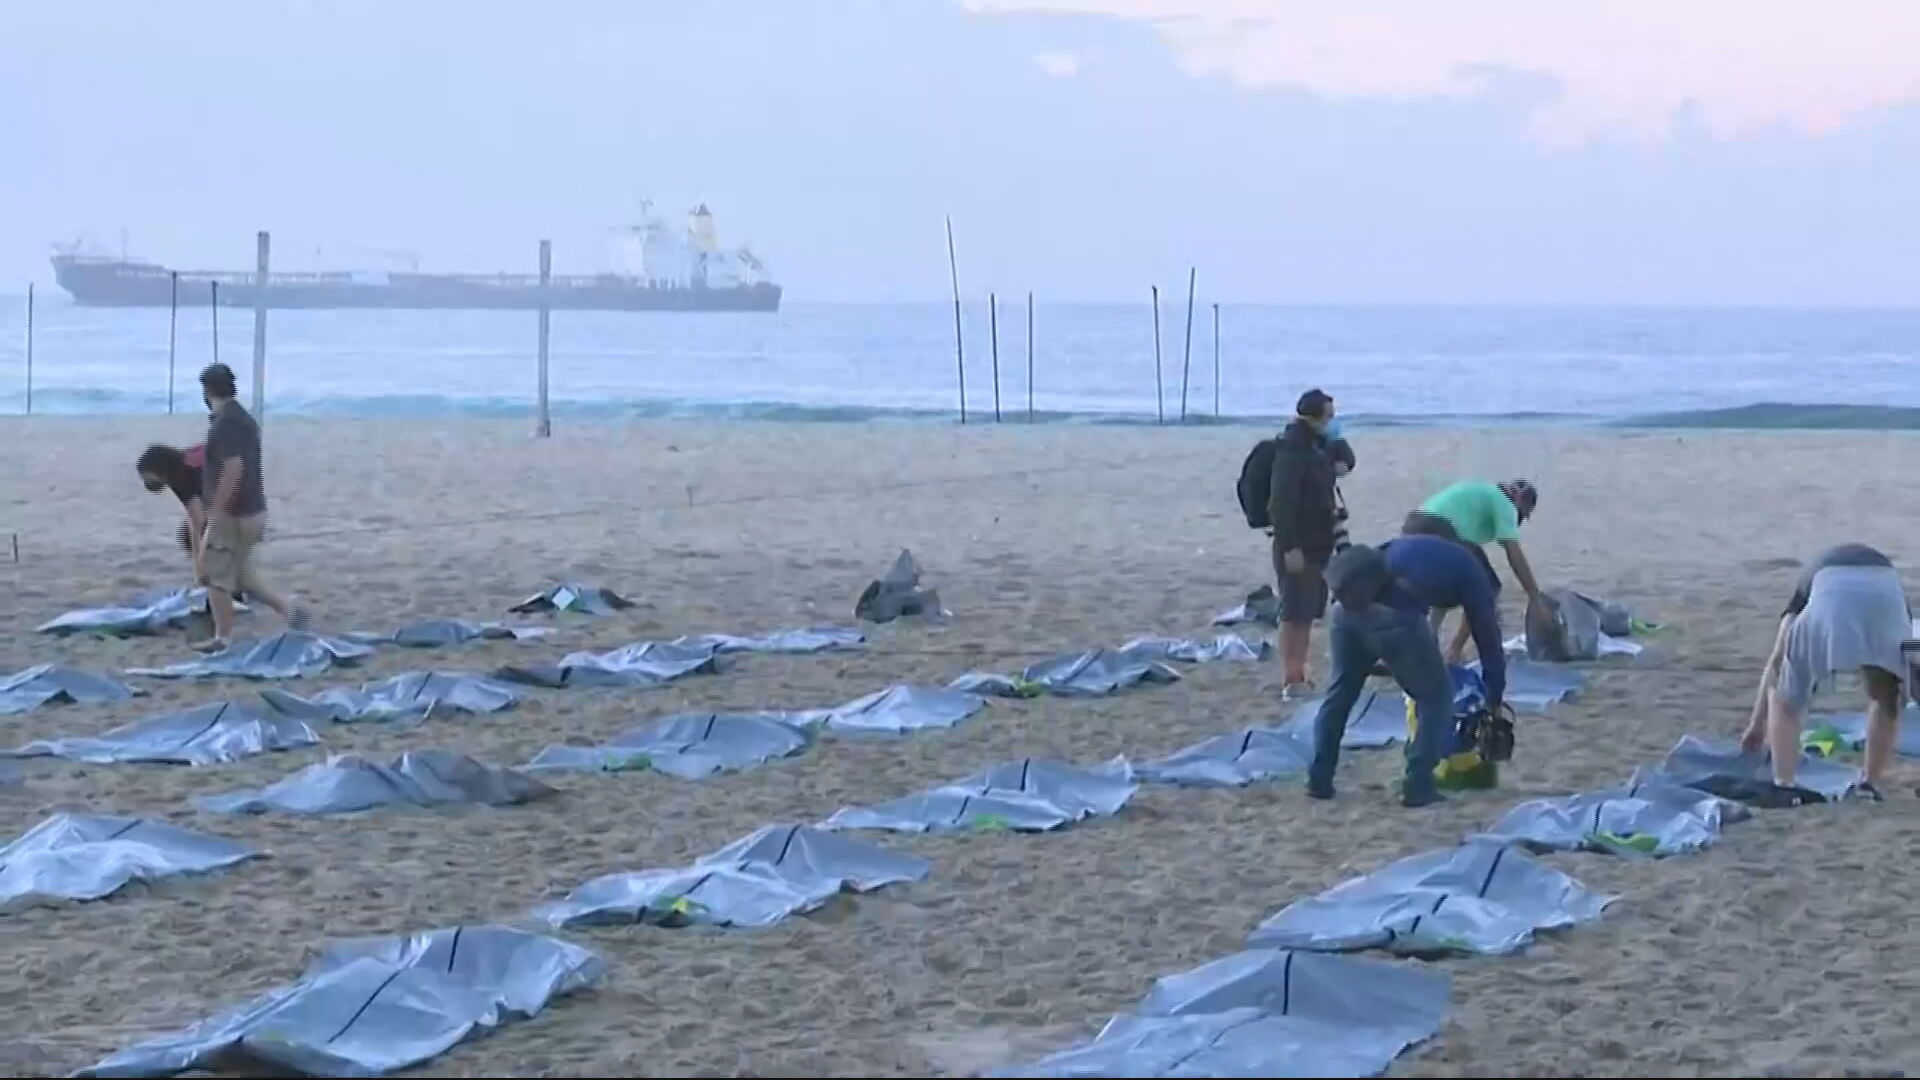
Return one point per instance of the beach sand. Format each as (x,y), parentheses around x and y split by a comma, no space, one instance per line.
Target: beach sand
(1789,949)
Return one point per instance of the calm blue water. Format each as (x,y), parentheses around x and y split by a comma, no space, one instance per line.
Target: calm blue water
(1091,361)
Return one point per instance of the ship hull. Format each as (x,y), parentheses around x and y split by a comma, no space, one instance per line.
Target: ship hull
(127,284)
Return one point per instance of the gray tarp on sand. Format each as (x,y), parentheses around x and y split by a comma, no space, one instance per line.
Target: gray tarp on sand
(1379,718)
(24,691)
(1533,687)
(759,879)
(1027,796)
(1094,673)
(1574,627)
(288,655)
(1232,760)
(1192,651)
(1637,819)
(1265,1012)
(409,697)
(586,599)
(1479,897)
(901,708)
(897,593)
(349,782)
(1261,606)
(687,745)
(206,735)
(434,633)
(88,856)
(654,663)
(1851,728)
(1718,766)
(154,613)
(371,1006)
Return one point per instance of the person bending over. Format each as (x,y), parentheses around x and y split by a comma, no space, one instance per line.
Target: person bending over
(1475,513)
(164,468)
(1849,612)
(1381,612)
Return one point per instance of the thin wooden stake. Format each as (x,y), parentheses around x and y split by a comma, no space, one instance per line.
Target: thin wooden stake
(29,350)
(260,277)
(1159,396)
(1029,357)
(1186,363)
(1216,361)
(993,335)
(959,347)
(173,330)
(213,298)
(543,426)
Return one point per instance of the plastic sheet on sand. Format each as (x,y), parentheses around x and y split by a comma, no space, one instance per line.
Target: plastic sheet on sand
(759,879)
(371,1006)
(205,735)
(1480,897)
(71,857)
(897,594)
(583,599)
(1636,819)
(349,783)
(687,745)
(1720,767)
(1234,759)
(288,655)
(1030,795)
(24,691)
(407,698)
(436,633)
(1265,1012)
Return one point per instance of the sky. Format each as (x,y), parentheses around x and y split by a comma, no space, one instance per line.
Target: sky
(1314,151)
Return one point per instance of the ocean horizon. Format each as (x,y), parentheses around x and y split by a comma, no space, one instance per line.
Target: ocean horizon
(1386,365)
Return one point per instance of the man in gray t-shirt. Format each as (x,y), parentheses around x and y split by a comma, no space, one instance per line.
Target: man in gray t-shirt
(235,493)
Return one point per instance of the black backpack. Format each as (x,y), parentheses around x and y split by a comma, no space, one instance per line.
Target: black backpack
(1256,483)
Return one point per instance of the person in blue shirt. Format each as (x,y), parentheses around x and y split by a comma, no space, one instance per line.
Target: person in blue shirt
(1380,615)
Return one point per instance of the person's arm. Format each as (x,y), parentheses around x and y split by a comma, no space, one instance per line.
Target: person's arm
(1283,498)
(1341,451)
(1483,616)
(1522,570)
(227,486)
(1770,675)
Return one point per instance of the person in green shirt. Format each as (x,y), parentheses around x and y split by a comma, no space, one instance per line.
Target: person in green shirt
(1475,513)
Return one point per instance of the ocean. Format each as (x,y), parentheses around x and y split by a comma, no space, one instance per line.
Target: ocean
(1724,367)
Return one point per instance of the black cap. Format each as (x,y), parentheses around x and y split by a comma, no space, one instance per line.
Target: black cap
(1314,402)
(219,379)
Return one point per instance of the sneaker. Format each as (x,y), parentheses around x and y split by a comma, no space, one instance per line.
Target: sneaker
(1416,799)
(1871,792)
(1319,791)
(210,645)
(1297,691)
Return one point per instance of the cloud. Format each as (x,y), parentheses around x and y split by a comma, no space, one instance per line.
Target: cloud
(1060,65)
(1620,66)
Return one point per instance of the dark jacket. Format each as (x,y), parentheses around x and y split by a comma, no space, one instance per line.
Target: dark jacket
(1302,502)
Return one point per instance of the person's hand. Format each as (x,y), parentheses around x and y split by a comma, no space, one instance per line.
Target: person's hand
(1455,657)
(1294,560)
(1754,736)
(1341,469)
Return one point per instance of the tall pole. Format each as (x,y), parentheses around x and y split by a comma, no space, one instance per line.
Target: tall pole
(993,335)
(29,348)
(213,301)
(543,426)
(1216,360)
(1159,398)
(959,349)
(1029,357)
(261,245)
(1186,363)
(173,330)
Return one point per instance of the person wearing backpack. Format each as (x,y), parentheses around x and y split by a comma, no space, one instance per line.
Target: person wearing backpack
(1304,512)
(1382,600)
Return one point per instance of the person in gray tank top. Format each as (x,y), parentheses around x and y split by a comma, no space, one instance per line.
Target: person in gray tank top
(1848,612)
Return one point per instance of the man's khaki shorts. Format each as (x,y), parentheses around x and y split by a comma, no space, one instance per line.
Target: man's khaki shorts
(228,553)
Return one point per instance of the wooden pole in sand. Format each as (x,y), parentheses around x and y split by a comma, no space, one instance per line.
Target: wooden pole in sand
(543,424)
(959,349)
(1216,360)
(29,349)
(993,336)
(173,330)
(261,246)
(213,301)
(1159,397)
(1186,363)
(1029,357)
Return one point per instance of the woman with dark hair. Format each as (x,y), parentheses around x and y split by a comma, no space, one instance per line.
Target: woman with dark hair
(164,467)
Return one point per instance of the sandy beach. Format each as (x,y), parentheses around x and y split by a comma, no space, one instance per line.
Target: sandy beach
(1788,949)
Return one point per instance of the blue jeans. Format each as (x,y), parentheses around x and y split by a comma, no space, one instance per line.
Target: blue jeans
(1404,641)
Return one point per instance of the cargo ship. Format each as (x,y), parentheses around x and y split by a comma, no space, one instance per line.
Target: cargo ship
(659,271)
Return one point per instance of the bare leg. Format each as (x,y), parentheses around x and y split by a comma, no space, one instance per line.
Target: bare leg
(1296,638)
(274,601)
(1883,722)
(1783,738)
(220,601)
